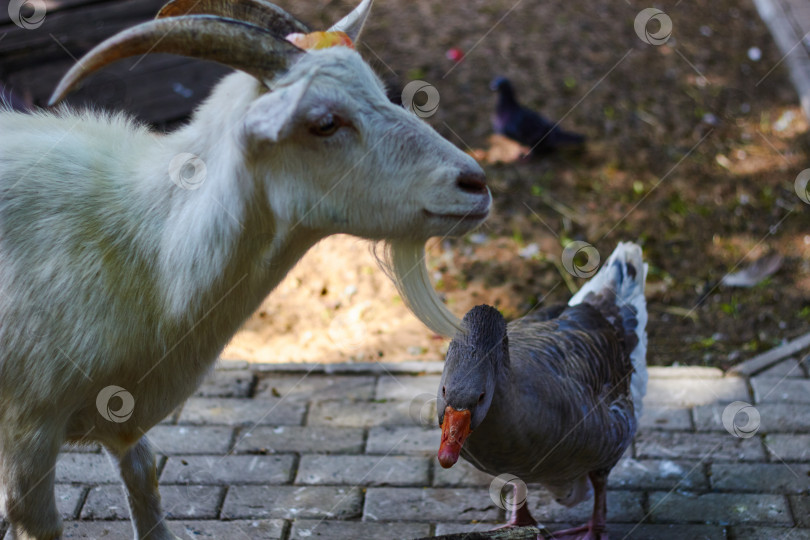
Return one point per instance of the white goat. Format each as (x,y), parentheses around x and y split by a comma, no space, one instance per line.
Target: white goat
(114,275)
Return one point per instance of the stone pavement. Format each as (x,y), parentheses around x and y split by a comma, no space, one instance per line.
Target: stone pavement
(268,452)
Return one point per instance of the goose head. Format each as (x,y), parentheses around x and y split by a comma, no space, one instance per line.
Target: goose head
(468,382)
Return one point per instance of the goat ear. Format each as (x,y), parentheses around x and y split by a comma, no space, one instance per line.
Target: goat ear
(270,117)
(353,23)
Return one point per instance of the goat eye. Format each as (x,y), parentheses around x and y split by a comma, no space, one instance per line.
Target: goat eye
(326,126)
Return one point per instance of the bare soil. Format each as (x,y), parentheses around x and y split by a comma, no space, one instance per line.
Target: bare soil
(693,149)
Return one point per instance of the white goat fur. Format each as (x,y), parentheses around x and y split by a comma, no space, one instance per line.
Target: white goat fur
(110,274)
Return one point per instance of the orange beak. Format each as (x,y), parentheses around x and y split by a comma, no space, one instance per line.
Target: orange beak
(455,429)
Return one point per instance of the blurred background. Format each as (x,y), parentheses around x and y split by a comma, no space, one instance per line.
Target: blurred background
(694,141)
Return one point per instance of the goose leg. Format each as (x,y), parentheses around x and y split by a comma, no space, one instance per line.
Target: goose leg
(520,516)
(595,529)
(517,513)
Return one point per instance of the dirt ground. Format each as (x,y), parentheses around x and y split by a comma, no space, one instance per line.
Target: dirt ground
(693,149)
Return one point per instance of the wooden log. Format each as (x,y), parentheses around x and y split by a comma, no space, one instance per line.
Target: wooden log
(515,533)
(75,31)
(752,366)
(158,88)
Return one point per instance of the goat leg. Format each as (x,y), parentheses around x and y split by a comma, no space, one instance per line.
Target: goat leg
(139,472)
(27,465)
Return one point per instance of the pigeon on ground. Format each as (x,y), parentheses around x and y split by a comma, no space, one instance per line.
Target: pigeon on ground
(526,126)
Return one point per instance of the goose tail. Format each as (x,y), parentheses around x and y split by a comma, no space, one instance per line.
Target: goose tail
(625,274)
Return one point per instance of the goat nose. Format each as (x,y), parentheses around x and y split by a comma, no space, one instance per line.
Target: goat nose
(473,182)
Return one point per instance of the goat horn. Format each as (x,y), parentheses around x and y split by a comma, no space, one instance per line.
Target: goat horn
(259,12)
(236,44)
(352,24)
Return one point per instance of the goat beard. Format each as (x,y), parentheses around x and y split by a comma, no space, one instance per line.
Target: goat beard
(404,261)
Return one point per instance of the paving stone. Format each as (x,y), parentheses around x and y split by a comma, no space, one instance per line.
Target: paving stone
(800,504)
(774,417)
(225,364)
(86,468)
(407,387)
(769,533)
(227,384)
(771,389)
(720,508)
(684,372)
(459,528)
(270,440)
(403,440)
(429,504)
(352,530)
(361,414)
(305,387)
(171,440)
(178,502)
(786,368)
(270,529)
(264,529)
(396,366)
(462,474)
(682,445)
(658,474)
(662,417)
(695,391)
(761,477)
(67,501)
(645,531)
(788,447)
(363,470)
(623,506)
(249,502)
(228,470)
(242,412)
(97,530)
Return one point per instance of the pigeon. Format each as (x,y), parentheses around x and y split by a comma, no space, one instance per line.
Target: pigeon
(527,127)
